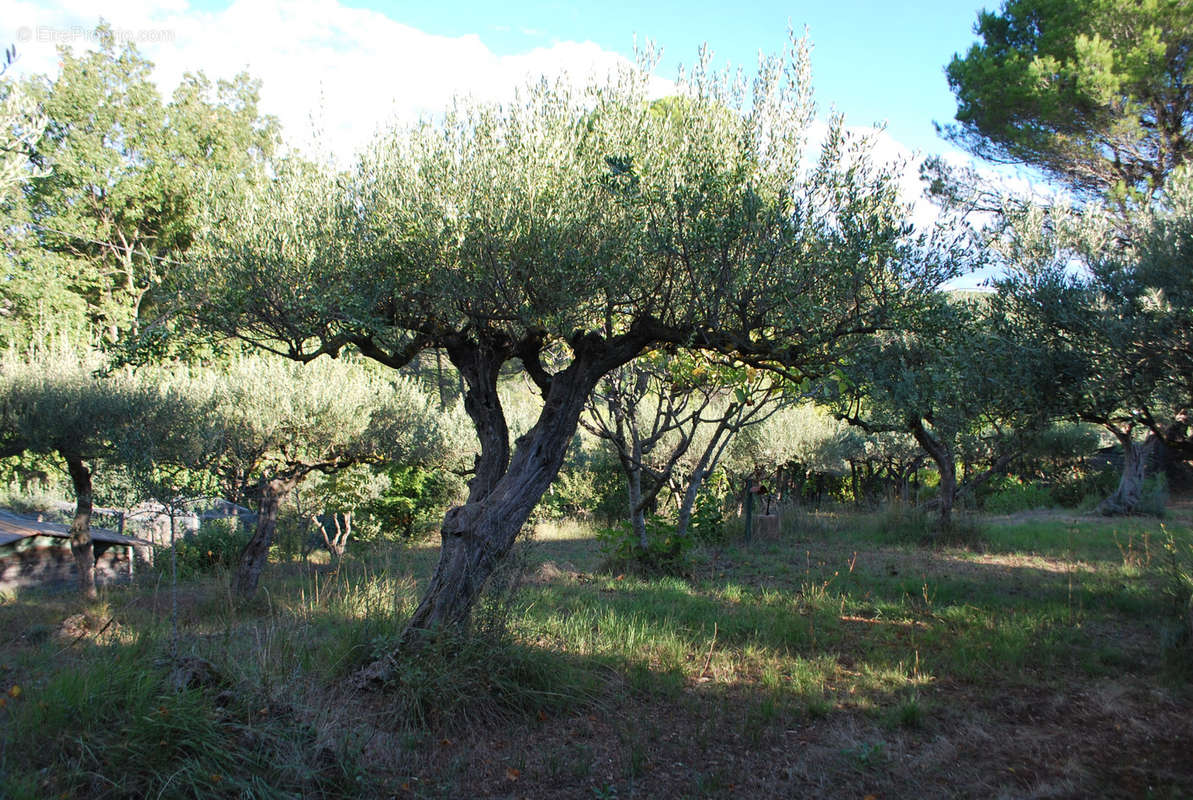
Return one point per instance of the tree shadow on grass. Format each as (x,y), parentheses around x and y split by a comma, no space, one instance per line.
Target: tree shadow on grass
(663,688)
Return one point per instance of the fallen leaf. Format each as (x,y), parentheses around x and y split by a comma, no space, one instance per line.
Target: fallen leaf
(15,691)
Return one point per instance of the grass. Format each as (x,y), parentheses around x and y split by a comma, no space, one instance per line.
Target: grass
(1033,656)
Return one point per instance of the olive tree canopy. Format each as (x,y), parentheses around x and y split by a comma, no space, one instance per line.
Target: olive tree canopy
(1116,330)
(571,231)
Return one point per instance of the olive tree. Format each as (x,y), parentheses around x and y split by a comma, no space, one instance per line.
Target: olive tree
(953,376)
(670,418)
(277,423)
(58,406)
(569,232)
(1113,315)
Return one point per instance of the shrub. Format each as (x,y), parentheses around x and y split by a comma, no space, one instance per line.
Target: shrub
(902,524)
(1178,587)
(909,525)
(589,485)
(1073,488)
(1017,495)
(217,544)
(963,531)
(415,500)
(30,503)
(665,552)
(120,729)
(708,513)
(1153,498)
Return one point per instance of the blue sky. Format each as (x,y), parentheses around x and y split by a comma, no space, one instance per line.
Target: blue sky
(873,60)
(336,71)
(363,60)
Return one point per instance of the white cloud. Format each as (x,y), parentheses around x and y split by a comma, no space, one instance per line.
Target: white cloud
(347,70)
(334,74)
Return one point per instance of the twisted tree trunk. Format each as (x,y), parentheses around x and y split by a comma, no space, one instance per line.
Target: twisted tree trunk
(476,536)
(337,541)
(946,465)
(256,553)
(1136,456)
(633,472)
(80,526)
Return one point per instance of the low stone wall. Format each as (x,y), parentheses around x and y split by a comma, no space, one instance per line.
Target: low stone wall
(48,561)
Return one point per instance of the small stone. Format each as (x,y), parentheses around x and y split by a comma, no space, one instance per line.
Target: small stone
(193,672)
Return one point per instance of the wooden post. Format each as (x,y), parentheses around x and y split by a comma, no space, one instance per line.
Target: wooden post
(749,511)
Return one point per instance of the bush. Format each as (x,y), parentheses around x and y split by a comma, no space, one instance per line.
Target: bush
(1016,495)
(909,525)
(454,683)
(30,503)
(665,552)
(120,729)
(217,544)
(902,524)
(589,485)
(414,502)
(1072,489)
(1178,587)
(708,514)
(1153,498)
(963,531)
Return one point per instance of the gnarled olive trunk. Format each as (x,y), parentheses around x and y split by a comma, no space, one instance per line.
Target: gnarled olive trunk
(946,465)
(80,526)
(256,553)
(476,536)
(1136,456)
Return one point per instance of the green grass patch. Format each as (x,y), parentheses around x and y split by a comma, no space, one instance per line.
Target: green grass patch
(848,633)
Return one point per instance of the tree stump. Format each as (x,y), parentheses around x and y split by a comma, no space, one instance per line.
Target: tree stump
(767,526)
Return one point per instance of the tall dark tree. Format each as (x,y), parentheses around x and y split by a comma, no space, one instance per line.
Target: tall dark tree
(1096,93)
(1099,95)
